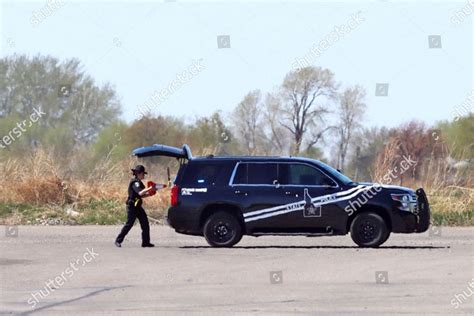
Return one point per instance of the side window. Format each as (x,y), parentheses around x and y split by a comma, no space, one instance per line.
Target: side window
(301,174)
(240,176)
(205,174)
(262,173)
(256,173)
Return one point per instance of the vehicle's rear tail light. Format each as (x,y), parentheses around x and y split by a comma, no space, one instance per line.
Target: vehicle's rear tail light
(174,195)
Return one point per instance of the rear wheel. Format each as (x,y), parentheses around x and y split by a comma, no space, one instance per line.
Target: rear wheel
(369,230)
(222,230)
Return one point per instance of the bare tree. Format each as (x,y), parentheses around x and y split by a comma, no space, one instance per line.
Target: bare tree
(305,94)
(370,141)
(247,118)
(351,108)
(276,137)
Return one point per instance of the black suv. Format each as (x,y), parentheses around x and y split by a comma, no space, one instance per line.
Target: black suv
(224,198)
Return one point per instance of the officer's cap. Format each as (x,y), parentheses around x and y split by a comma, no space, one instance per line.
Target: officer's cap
(139,169)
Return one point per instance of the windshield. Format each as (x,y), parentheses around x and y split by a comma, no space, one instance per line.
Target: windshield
(333,172)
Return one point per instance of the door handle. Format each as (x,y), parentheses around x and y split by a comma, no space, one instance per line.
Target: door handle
(241,192)
(288,193)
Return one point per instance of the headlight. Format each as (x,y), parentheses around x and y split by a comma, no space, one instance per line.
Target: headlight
(406,204)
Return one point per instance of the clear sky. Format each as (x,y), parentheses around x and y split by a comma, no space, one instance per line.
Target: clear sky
(141,47)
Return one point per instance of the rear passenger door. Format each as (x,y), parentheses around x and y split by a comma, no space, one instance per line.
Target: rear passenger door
(255,186)
(310,189)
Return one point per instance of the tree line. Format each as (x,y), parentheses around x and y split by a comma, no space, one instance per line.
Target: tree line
(309,114)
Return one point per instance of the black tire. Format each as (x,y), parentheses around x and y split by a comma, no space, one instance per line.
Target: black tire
(222,229)
(369,230)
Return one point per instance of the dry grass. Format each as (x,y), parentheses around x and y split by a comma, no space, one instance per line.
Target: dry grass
(37,187)
(450,191)
(38,181)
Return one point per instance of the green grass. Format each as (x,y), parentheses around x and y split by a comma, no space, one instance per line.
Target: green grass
(111,212)
(102,212)
(452,218)
(21,213)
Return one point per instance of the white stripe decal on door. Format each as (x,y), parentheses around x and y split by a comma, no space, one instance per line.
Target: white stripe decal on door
(295,204)
(299,208)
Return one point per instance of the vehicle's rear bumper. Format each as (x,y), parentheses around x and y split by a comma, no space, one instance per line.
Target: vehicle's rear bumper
(184,221)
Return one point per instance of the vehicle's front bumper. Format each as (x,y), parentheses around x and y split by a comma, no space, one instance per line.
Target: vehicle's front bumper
(423,213)
(417,221)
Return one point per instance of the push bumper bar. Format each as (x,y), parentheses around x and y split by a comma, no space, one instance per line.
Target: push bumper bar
(423,212)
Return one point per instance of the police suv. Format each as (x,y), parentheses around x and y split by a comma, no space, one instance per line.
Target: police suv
(224,198)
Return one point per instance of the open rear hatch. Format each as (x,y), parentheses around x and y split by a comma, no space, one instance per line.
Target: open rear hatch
(163,150)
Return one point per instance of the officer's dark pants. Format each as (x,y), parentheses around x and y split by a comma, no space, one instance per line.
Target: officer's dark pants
(132,214)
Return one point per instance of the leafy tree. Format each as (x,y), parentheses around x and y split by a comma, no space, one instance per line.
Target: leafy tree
(210,135)
(150,130)
(74,105)
(459,134)
(109,143)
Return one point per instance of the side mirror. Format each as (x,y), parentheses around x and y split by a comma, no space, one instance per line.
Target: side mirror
(328,183)
(276,184)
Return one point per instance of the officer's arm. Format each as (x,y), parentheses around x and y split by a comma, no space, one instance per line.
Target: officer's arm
(142,193)
(145,192)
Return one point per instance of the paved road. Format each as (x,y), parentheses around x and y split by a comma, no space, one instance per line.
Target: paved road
(265,275)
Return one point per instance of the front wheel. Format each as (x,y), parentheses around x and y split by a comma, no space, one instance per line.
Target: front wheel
(369,230)
(222,230)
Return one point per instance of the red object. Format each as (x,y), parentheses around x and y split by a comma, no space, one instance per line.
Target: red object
(174,195)
(153,185)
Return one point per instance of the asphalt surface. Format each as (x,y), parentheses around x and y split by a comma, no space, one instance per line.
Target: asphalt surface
(411,274)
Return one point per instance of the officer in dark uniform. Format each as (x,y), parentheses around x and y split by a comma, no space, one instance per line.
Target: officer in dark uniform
(136,192)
